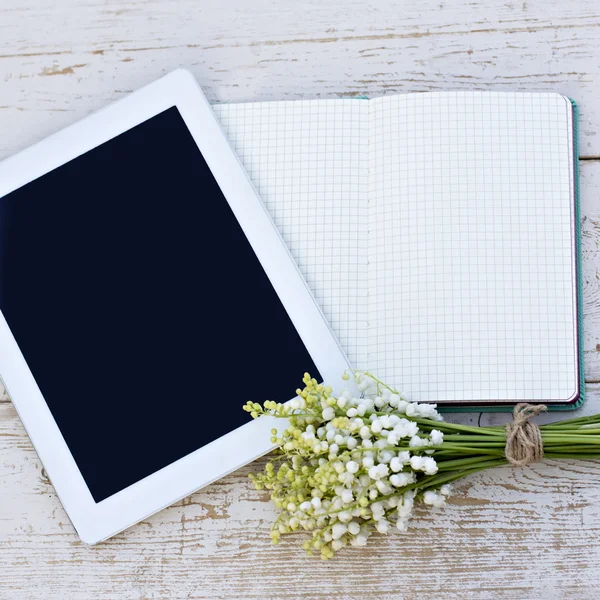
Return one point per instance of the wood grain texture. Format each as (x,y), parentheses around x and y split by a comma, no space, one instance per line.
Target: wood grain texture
(507,533)
(61,59)
(515,534)
(590,253)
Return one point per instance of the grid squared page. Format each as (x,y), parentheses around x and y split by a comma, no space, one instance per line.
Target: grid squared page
(308,162)
(471,245)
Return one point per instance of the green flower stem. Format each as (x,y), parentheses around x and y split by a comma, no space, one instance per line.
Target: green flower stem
(572,422)
(572,455)
(467,449)
(570,431)
(573,449)
(499,443)
(501,437)
(573,426)
(571,439)
(450,454)
(465,462)
(444,426)
(438,480)
(443,446)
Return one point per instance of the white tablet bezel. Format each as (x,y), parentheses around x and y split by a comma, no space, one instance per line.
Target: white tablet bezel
(97,521)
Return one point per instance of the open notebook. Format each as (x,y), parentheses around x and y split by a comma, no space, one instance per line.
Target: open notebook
(437,232)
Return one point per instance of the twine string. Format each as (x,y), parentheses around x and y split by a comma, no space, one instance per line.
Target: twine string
(524,444)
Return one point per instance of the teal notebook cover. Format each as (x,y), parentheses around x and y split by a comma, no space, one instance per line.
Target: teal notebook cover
(581,399)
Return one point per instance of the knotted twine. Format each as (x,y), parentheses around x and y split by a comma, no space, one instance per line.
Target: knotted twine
(524,444)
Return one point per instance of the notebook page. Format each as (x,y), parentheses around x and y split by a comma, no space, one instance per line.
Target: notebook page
(471,246)
(308,161)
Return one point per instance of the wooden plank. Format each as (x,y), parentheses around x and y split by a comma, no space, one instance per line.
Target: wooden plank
(507,533)
(590,252)
(61,59)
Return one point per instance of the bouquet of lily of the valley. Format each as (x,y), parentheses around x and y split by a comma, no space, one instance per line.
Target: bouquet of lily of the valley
(348,466)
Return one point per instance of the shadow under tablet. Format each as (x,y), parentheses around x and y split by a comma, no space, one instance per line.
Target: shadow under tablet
(139,305)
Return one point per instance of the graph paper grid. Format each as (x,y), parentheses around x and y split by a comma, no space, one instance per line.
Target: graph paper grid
(470,247)
(308,161)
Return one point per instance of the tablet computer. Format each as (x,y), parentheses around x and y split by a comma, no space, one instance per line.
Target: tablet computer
(146,295)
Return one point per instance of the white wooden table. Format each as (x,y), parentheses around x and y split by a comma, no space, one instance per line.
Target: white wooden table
(507,533)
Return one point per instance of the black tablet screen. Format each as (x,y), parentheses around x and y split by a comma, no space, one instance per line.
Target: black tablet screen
(139,305)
